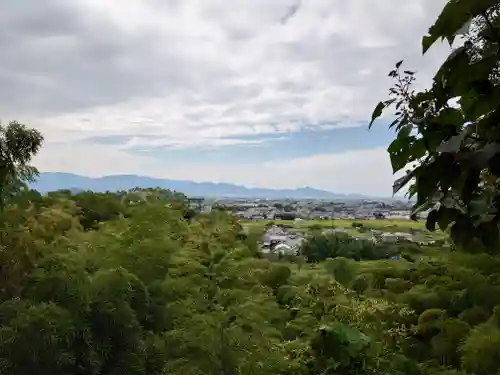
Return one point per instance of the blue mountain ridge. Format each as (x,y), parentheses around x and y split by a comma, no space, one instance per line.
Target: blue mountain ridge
(51,181)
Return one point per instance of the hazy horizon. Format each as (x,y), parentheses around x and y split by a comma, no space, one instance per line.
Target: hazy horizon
(62,184)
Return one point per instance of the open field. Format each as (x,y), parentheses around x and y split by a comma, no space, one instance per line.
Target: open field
(381,225)
(385,225)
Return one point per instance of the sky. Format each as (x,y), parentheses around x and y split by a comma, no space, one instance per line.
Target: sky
(260,93)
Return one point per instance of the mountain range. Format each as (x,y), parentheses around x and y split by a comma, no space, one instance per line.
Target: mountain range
(51,181)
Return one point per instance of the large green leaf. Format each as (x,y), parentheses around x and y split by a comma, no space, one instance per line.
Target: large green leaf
(431,221)
(398,151)
(402,181)
(455,14)
(446,216)
(377,112)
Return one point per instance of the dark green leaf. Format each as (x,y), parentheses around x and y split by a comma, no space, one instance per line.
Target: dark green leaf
(480,206)
(481,158)
(398,151)
(494,165)
(455,14)
(446,216)
(427,181)
(450,40)
(482,87)
(376,113)
(455,233)
(430,223)
(394,123)
(418,149)
(425,206)
(470,184)
(450,116)
(405,130)
(456,147)
(489,234)
(401,182)
(453,144)
(462,231)
(427,42)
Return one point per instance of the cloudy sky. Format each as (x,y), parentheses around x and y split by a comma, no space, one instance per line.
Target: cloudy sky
(255,92)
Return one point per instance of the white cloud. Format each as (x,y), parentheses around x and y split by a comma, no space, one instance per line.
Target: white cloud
(202,73)
(214,68)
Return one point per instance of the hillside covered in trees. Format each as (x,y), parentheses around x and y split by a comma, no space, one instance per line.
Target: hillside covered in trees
(135,282)
(130,283)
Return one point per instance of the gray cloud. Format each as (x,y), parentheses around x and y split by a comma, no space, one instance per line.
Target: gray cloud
(186,70)
(57,58)
(148,74)
(291,11)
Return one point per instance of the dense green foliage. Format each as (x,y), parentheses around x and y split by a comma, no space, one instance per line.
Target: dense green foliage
(134,282)
(321,246)
(137,283)
(146,291)
(449,135)
(18,144)
(456,302)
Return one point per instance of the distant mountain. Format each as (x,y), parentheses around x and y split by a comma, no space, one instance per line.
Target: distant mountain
(51,181)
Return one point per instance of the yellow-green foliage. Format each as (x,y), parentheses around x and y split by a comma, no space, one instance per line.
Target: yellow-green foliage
(147,290)
(151,290)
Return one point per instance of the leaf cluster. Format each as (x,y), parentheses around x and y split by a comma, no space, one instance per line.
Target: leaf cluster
(448,136)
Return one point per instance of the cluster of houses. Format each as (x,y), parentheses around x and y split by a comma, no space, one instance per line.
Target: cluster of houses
(199,204)
(278,240)
(261,209)
(321,211)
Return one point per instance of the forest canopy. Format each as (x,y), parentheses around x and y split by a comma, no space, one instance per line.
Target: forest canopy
(136,282)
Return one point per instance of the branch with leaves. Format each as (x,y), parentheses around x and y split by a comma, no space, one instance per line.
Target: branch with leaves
(449,135)
(18,145)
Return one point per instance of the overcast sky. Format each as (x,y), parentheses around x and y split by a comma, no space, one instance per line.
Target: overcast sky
(255,92)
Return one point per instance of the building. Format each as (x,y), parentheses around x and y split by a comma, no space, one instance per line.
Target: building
(199,204)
